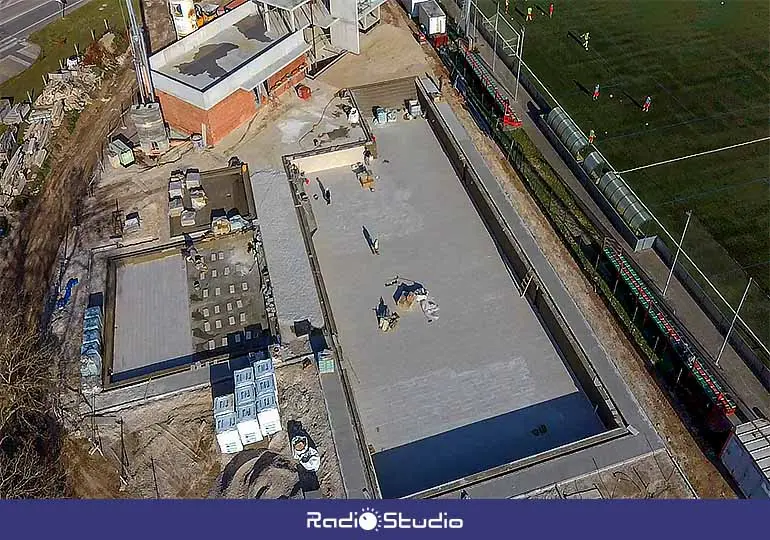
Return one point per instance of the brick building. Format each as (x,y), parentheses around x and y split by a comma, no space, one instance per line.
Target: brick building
(215,79)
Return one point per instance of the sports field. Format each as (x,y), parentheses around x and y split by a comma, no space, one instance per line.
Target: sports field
(706,67)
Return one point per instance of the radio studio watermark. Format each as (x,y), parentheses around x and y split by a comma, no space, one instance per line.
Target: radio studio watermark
(370,519)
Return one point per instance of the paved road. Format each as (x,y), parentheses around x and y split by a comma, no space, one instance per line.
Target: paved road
(18,19)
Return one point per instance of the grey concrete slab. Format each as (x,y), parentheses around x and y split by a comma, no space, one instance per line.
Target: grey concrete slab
(149,390)
(486,355)
(152,312)
(296,298)
(644,439)
(228,309)
(348,454)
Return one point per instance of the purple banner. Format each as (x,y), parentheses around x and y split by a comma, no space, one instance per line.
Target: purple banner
(475,519)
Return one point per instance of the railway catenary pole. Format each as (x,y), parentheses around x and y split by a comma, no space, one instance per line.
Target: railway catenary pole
(732,324)
(678,250)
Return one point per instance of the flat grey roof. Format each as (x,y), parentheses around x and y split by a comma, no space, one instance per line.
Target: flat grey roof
(284,4)
(222,54)
(485,375)
(755,437)
(152,311)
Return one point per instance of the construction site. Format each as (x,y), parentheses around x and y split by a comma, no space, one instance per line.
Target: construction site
(301,268)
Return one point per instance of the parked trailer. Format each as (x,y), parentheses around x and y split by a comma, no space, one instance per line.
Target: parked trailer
(432,18)
(411,6)
(746,455)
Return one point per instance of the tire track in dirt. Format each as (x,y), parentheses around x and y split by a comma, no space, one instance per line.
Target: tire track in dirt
(28,259)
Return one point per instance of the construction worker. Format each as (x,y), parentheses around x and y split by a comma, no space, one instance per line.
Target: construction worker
(530,16)
(647,103)
(586,37)
(596,92)
(591,136)
(550,11)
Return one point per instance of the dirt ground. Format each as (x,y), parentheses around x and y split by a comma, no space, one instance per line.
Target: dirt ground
(389,51)
(27,258)
(171,450)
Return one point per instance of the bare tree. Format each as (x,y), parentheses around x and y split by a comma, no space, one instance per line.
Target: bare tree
(30,434)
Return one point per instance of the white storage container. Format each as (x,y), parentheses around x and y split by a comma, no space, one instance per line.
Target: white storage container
(411,6)
(266,401)
(187,218)
(175,207)
(243,377)
(746,455)
(269,421)
(227,434)
(432,18)
(244,395)
(248,424)
(265,384)
(183,15)
(175,189)
(224,404)
(192,179)
(262,367)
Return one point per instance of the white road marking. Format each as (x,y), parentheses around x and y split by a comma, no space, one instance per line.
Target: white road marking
(5,4)
(30,10)
(69,8)
(8,44)
(695,155)
(25,63)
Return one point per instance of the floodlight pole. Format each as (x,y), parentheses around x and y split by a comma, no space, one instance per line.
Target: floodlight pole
(518,69)
(678,249)
(732,324)
(494,47)
(468,18)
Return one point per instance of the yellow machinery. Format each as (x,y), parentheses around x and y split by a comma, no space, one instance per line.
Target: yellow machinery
(205,13)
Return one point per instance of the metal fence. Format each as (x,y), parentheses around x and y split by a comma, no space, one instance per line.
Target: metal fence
(706,270)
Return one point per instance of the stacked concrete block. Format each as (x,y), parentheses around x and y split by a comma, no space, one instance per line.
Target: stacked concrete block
(91,350)
(227,433)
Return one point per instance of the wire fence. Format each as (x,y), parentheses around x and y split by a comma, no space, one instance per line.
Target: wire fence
(705,268)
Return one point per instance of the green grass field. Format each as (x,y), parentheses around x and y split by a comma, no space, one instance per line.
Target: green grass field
(57,42)
(707,68)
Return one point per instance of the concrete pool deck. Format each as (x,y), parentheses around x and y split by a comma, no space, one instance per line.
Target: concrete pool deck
(485,375)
